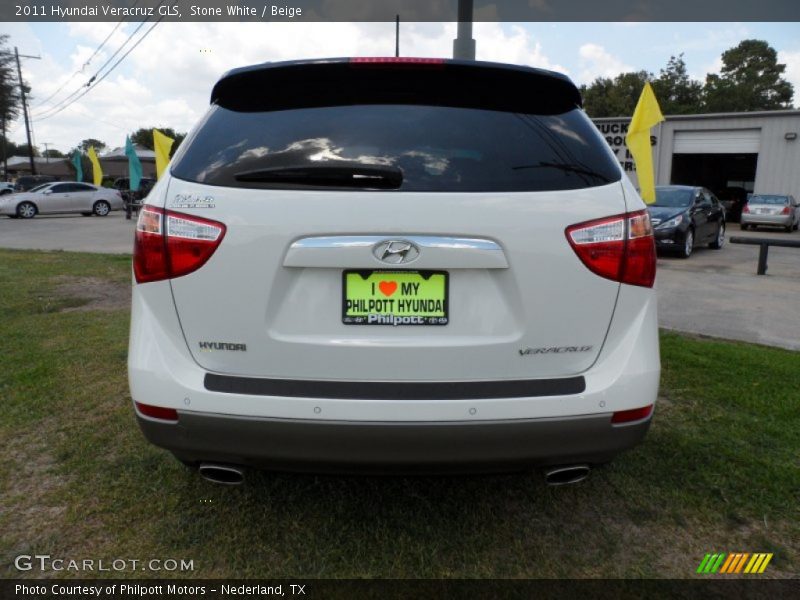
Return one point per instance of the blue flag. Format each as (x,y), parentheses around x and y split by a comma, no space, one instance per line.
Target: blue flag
(76,161)
(134,165)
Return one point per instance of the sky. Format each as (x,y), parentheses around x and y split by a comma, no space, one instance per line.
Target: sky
(166,80)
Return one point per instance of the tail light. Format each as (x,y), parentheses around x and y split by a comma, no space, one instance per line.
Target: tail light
(620,248)
(787,210)
(170,244)
(157,412)
(746,209)
(629,416)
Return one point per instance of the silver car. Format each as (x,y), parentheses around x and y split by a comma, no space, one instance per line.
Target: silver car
(772,210)
(61,197)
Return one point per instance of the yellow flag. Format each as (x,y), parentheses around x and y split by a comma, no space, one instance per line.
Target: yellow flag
(162,145)
(646,115)
(97,170)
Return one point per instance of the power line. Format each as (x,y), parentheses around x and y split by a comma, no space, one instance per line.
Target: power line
(93,81)
(106,74)
(85,64)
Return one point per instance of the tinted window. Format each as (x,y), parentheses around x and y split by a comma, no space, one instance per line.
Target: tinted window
(82,187)
(437,148)
(674,197)
(61,188)
(769,200)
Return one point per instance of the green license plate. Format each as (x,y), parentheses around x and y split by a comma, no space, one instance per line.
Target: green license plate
(394,298)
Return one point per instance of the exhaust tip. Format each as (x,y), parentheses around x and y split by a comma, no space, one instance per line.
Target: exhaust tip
(566,475)
(222,474)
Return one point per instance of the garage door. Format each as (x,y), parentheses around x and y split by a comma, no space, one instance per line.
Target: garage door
(728,141)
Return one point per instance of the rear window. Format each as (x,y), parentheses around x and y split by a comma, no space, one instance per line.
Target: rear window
(437,148)
(769,200)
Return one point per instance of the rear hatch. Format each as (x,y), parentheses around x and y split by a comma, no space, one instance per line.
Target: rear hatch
(768,205)
(441,185)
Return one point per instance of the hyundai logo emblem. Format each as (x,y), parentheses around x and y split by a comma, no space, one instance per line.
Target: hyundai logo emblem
(396,252)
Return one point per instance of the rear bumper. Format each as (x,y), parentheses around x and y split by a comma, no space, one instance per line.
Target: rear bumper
(345,446)
(773,220)
(413,426)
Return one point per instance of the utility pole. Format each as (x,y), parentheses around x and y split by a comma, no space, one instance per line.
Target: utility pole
(5,151)
(464,45)
(25,110)
(397,35)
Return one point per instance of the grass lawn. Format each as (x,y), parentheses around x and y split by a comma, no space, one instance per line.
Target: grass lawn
(718,472)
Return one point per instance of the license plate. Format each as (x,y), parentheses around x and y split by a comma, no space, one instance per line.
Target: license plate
(394,298)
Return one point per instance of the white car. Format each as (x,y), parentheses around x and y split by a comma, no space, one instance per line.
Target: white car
(6,188)
(61,197)
(394,265)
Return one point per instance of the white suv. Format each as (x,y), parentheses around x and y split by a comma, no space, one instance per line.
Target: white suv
(394,264)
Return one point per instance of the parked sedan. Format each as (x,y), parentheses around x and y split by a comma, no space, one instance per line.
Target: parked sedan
(772,210)
(684,217)
(61,197)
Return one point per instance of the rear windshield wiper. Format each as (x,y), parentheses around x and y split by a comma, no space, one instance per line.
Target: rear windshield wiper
(328,174)
(569,167)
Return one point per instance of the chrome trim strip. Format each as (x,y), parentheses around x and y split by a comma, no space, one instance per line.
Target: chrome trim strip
(423,241)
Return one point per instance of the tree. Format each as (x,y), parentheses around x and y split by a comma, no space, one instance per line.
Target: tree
(144,137)
(676,92)
(617,97)
(53,153)
(10,104)
(87,143)
(750,79)
(82,148)
(20,149)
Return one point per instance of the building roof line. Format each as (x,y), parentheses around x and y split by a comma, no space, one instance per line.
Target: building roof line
(724,115)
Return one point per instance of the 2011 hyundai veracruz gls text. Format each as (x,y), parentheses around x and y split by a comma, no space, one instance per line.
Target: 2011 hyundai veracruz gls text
(394,265)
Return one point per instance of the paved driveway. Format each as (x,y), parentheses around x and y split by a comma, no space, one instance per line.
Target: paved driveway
(715,292)
(111,234)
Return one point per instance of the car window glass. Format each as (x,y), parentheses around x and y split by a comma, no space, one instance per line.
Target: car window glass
(437,148)
(673,197)
(768,199)
(60,188)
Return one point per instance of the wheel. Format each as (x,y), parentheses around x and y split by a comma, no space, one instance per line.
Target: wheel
(26,210)
(789,228)
(720,239)
(4,192)
(688,245)
(101,208)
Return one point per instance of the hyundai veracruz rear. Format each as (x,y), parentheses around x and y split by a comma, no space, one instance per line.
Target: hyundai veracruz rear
(394,264)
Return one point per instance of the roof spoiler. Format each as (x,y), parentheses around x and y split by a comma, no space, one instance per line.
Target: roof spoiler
(437,82)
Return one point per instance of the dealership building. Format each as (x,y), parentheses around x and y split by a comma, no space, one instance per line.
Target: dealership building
(757,151)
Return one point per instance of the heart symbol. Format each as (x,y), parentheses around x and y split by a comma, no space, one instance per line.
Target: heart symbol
(388,287)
